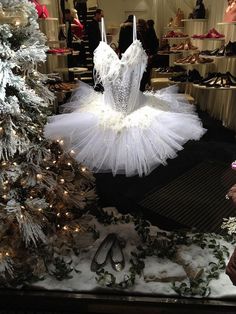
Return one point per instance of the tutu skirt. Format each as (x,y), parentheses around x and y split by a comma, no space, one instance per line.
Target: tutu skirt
(107,140)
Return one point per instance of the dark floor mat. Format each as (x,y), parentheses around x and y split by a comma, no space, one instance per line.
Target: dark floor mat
(195,199)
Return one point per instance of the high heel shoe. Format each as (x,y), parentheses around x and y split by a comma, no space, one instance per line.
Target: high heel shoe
(209,77)
(204,60)
(229,49)
(117,256)
(102,253)
(214,82)
(231,80)
(221,52)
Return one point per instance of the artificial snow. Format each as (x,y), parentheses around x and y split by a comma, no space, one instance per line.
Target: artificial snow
(158,274)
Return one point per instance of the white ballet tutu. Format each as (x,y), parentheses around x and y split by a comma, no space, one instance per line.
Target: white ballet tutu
(108,140)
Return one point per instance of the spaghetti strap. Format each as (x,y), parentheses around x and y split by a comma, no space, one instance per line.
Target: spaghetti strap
(134,28)
(103,31)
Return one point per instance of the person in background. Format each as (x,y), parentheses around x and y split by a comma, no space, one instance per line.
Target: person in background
(74,28)
(125,35)
(93,30)
(142,36)
(151,37)
(74,32)
(68,21)
(62,3)
(142,33)
(81,7)
(75,24)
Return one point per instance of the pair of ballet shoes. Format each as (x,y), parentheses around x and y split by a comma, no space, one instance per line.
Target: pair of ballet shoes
(110,248)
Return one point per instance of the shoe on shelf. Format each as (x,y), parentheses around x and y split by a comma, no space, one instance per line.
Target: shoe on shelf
(231,78)
(173,47)
(210,52)
(204,60)
(177,47)
(214,52)
(190,46)
(213,33)
(209,77)
(214,82)
(174,34)
(194,76)
(102,253)
(230,49)
(221,52)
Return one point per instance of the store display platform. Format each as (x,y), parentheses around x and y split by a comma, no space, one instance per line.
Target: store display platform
(58,302)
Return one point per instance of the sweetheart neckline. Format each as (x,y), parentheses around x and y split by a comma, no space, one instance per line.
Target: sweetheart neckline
(123,54)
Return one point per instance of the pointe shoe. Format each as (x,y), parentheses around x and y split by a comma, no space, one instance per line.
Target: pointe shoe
(102,253)
(117,256)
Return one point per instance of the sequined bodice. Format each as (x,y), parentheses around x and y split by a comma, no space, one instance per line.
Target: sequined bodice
(121,77)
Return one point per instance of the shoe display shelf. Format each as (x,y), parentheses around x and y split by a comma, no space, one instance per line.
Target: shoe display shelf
(208,43)
(173,28)
(160,82)
(219,102)
(175,40)
(195,26)
(173,57)
(203,68)
(200,26)
(56,62)
(157,74)
(227,63)
(224,63)
(50,27)
(229,29)
(52,6)
(186,51)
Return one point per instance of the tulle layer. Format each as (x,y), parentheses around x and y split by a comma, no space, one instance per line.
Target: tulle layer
(106,140)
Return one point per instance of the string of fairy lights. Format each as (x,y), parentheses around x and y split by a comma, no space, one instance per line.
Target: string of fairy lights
(18,18)
(40,177)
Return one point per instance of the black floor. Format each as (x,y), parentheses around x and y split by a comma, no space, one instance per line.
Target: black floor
(217,149)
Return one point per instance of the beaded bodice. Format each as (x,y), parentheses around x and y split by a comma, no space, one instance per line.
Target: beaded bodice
(120,77)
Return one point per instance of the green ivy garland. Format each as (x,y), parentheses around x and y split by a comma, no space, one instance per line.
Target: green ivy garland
(167,249)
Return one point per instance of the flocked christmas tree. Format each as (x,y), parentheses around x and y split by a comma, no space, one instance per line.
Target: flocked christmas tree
(42,190)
